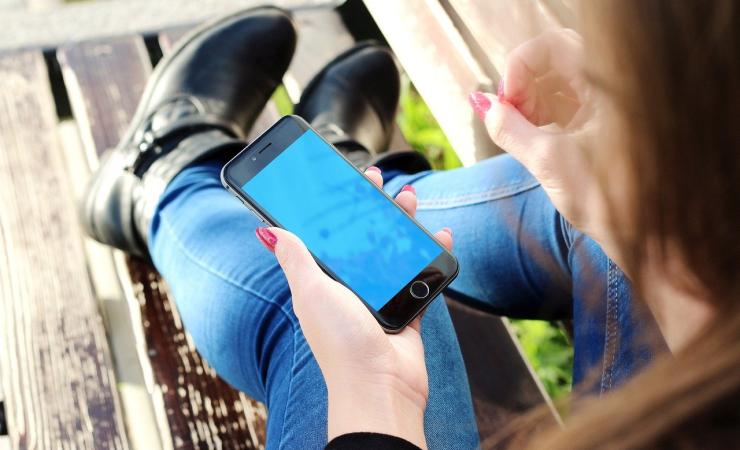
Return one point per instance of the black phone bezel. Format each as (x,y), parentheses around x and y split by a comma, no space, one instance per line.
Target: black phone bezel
(403,307)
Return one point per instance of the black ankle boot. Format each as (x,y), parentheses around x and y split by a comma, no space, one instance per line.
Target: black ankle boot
(352,102)
(199,103)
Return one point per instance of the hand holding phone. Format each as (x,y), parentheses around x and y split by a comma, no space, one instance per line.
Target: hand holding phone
(292,178)
(353,258)
(362,365)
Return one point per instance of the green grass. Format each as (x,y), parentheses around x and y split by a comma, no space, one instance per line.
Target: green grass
(421,130)
(546,346)
(549,351)
(282,101)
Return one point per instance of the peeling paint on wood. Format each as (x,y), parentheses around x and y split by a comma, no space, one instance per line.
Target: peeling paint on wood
(197,408)
(57,379)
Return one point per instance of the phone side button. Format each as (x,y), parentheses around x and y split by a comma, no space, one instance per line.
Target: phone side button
(419,290)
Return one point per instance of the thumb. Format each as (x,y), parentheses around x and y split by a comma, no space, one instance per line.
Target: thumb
(294,258)
(511,131)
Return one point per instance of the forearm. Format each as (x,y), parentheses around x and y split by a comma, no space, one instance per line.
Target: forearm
(377,408)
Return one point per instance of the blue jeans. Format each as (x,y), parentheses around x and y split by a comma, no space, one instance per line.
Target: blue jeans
(518,258)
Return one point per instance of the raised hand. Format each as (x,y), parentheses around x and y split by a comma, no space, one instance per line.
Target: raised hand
(545,116)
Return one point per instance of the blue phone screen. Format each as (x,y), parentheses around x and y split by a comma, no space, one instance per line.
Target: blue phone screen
(344,221)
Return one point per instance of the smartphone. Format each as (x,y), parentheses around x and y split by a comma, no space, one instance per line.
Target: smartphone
(292,178)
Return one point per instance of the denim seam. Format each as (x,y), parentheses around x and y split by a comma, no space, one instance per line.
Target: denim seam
(610,337)
(480,197)
(228,280)
(290,387)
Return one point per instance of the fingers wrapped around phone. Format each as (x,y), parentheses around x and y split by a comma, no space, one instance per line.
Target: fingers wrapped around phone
(374,174)
(406,199)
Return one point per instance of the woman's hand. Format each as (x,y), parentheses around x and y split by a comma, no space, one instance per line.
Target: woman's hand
(543,115)
(376,382)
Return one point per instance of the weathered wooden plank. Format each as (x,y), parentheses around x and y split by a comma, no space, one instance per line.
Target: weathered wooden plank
(202,410)
(211,413)
(57,376)
(43,5)
(493,28)
(3,424)
(12,5)
(138,410)
(80,21)
(118,59)
(441,67)
(116,81)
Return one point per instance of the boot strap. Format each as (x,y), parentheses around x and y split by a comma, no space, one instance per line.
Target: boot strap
(195,148)
(152,145)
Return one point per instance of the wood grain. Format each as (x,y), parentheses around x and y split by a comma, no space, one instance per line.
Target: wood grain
(493,28)
(116,83)
(58,383)
(202,410)
(441,67)
(198,409)
(3,423)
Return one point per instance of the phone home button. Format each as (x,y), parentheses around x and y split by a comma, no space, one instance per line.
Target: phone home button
(419,290)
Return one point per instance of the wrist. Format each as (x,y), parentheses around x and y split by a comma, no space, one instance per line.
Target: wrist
(377,407)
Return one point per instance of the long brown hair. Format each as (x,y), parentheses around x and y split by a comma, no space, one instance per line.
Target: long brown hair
(672,71)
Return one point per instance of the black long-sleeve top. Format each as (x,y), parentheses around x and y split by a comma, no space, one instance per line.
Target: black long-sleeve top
(364,441)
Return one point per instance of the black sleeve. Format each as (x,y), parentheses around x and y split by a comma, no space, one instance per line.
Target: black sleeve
(364,441)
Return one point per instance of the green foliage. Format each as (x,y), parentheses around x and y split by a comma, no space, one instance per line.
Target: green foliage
(282,101)
(549,351)
(546,346)
(421,130)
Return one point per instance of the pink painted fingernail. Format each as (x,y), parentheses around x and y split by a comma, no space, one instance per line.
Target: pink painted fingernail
(480,103)
(266,237)
(372,169)
(448,230)
(408,188)
(500,90)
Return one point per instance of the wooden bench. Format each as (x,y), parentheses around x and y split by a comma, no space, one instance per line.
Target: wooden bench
(92,351)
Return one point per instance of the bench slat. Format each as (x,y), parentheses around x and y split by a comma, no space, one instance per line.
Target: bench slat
(57,376)
(114,85)
(196,408)
(441,67)
(493,28)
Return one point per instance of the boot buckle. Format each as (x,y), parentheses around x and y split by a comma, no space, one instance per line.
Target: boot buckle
(148,145)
